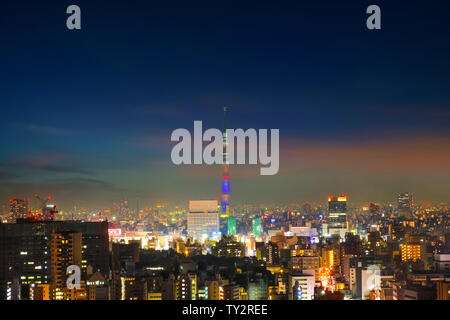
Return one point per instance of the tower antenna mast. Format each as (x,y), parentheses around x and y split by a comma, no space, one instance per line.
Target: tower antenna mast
(225,199)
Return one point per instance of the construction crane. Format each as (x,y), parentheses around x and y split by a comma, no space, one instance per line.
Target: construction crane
(48,210)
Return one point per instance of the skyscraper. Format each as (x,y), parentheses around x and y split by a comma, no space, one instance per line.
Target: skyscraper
(405,204)
(26,250)
(337,215)
(203,218)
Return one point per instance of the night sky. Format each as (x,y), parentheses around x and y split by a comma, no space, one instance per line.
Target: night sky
(87,115)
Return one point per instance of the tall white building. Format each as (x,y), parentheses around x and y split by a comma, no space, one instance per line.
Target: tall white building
(203,218)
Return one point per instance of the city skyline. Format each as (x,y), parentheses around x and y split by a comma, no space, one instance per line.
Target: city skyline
(88,115)
(234,158)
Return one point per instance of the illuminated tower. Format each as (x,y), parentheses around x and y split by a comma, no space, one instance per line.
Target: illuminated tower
(225,200)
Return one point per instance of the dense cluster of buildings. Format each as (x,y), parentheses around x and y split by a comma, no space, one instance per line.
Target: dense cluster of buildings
(212,251)
(205,253)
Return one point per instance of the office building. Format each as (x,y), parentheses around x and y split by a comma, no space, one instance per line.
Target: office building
(405,205)
(203,218)
(25,251)
(337,216)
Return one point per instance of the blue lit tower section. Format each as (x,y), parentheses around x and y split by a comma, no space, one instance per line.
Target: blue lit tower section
(225,199)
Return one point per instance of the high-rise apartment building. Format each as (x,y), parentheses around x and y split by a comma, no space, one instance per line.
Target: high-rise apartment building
(214,288)
(411,252)
(65,250)
(25,250)
(18,208)
(186,287)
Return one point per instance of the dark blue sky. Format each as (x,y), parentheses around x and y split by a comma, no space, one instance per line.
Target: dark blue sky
(87,115)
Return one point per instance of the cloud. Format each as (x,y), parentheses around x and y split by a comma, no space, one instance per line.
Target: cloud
(8,175)
(65,192)
(50,130)
(47,161)
(159,141)
(410,110)
(66,169)
(399,156)
(215,171)
(82,181)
